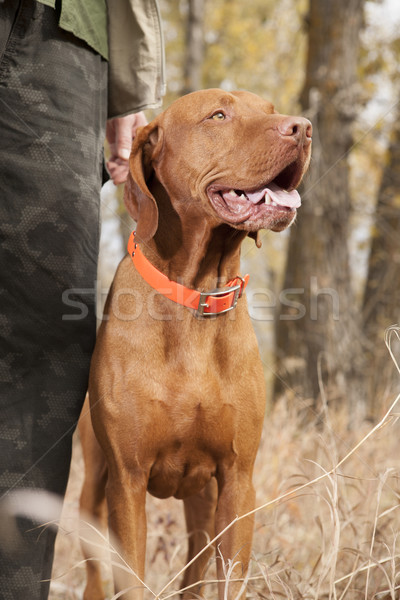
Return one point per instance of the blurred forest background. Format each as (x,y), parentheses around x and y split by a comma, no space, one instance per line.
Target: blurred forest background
(321,294)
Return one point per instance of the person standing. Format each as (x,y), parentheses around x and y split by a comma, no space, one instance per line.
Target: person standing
(65,67)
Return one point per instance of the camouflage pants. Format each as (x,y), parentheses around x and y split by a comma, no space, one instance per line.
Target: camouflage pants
(52,117)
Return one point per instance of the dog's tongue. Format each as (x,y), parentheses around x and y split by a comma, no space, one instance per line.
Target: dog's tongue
(277,194)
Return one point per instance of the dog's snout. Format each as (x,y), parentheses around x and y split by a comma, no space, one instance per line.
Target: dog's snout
(297,128)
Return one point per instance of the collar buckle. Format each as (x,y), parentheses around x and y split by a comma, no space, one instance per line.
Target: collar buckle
(235,290)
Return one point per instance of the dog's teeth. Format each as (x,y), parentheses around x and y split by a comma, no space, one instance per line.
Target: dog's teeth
(242,196)
(268,200)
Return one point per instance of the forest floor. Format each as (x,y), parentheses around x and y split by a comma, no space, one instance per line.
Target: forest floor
(328,524)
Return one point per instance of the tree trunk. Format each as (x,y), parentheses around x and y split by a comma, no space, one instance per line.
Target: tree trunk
(317,329)
(194,57)
(382,292)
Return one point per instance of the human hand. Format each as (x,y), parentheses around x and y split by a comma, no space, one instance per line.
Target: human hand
(119,133)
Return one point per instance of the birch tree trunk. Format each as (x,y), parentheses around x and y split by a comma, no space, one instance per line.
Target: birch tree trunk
(194,57)
(317,329)
(382,292)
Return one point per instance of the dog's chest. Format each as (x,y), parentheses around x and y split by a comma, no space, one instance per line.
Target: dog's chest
(192,440)
(192,409)
(185,407)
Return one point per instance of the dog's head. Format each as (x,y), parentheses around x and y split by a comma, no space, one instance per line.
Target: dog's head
(228,157)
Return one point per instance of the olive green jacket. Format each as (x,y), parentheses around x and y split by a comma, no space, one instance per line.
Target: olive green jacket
(134,49)
(136,56)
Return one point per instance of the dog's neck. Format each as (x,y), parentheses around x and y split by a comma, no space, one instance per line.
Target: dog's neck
(193,249)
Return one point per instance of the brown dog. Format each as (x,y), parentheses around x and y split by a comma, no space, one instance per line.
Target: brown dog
(177,395)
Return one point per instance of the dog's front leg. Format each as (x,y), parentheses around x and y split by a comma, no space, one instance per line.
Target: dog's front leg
(236,497)
(200,522)
(126,498)
(93,506)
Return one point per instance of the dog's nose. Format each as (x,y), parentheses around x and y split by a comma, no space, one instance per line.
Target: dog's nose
(297,128)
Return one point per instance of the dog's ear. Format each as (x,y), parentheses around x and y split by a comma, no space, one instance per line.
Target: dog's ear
(138,199)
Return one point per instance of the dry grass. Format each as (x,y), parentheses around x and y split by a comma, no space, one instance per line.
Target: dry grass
(336,538)
(328,528)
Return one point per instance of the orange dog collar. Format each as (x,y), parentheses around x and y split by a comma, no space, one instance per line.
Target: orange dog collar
(206,304)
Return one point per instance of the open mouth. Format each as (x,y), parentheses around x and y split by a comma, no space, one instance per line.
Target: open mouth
(256,208)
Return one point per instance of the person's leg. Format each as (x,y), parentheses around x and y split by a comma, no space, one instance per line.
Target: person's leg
(52,118)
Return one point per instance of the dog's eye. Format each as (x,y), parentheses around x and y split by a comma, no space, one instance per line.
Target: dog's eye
(218,116)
